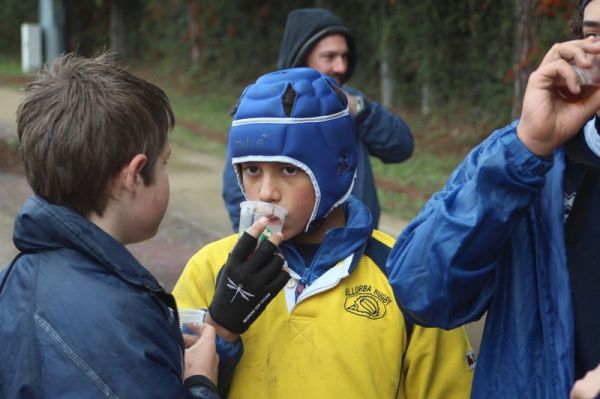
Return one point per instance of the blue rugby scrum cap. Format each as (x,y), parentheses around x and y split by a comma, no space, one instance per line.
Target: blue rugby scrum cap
(301,117)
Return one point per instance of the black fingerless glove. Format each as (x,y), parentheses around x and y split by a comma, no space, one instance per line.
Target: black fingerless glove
(247,283)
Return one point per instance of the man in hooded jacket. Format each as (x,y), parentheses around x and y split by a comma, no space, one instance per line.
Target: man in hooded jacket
(318,39)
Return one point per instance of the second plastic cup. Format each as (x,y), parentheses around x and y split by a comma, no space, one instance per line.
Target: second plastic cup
(190,316)
(251,211)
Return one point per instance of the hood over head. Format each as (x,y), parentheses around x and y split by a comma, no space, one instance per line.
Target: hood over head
(304,29)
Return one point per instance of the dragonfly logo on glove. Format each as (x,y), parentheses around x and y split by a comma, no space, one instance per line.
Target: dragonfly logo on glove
(259,271)
(238,290)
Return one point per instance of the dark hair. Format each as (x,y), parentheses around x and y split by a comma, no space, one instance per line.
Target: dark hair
(576,23)
(576,27)
(81,121)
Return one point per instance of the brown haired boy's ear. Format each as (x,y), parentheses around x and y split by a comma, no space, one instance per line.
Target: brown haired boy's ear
(131,172)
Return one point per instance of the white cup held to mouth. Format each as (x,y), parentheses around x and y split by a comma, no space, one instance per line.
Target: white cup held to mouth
(251,211)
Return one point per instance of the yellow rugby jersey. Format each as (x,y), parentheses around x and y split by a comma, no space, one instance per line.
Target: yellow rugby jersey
(345,336)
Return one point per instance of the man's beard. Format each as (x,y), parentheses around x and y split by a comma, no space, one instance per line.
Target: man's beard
(341,78)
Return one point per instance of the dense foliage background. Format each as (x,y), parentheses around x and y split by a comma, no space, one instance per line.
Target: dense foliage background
(453,51)
(454,69)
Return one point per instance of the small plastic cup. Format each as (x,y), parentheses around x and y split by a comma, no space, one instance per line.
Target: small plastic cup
(189,317)
(251,211)
(587,77)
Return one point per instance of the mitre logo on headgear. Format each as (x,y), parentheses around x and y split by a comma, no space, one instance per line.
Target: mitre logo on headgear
(363,300)
(252,142)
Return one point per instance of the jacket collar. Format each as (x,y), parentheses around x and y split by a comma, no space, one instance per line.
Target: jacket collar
(41,226)
(338,244)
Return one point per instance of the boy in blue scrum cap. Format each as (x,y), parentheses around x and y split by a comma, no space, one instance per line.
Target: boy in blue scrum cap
(335,330)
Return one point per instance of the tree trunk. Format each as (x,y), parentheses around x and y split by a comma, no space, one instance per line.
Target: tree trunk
(523,45)
(385,72)
(53,23)
(387,80)
(194,32)
(117,29)
(425,99)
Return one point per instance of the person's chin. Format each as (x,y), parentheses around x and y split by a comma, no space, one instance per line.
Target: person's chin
(147,234)
(291,232)
(338,78)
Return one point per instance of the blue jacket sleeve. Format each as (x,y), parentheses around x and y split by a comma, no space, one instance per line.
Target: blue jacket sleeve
(200,387)
(230,354)
(231,192)
(443,264)
(386,135)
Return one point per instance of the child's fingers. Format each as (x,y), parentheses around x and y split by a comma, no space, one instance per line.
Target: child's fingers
(207,332)
(577,51)
(257,227)
(266,253)
(244,247)
(276,238)
(189,340)
(280,280)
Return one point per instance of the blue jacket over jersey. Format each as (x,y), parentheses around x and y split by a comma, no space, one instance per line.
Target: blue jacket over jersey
(493,240)
(81,318)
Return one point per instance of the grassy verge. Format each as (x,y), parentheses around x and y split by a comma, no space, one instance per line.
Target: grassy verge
(191,138)
(441,143)
(10,65)
(404,188)
(202,110)
(10,71)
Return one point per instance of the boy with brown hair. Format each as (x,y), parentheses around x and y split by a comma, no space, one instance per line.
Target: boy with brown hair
(79,316)
(336,329)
